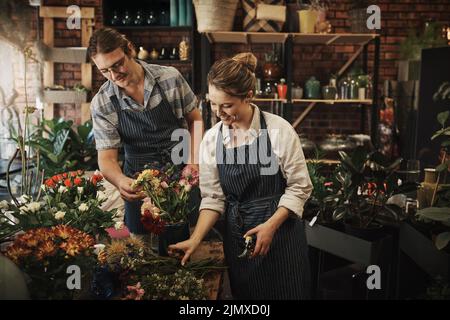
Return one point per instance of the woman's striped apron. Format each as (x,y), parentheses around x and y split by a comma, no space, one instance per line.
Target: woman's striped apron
(252,198)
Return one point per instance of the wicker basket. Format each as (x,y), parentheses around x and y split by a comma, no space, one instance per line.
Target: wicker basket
(213,15)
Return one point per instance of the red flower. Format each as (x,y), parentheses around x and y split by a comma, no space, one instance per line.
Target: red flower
(80,172)
(49,183)
(77,181)
(97,177)
(55,179)
(64,175)
(152,224)
(73,174)
(67,183)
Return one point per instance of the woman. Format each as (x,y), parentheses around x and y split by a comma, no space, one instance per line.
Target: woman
(253,171)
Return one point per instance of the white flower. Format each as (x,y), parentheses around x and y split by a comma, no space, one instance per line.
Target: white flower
(4,204)
(101,196)
(43,187)
(60,215)
(62,189)
(118,225)
(83,207)
(99,248)
(80,190)
(187,187)
(32,207)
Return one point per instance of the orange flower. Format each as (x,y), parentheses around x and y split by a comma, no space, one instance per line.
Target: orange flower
(67,183)
(62,231)
(72,248)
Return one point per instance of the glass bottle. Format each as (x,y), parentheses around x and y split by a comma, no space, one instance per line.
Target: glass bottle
(344,88)
(151,18)
(115,20)
(139,20)
(184,48)
(126,20)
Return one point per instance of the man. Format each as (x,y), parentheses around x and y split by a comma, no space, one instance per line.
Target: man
(139,107)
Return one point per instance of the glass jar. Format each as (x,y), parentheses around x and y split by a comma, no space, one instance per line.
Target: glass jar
(312,88)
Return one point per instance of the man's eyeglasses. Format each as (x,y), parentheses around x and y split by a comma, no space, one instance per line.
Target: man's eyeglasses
(115,67)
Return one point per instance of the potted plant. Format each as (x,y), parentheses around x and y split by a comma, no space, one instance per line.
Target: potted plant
(365,182)
(358,16)
(411,49)
(439,212)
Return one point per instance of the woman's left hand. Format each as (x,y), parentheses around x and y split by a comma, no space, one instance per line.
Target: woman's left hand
(264,235)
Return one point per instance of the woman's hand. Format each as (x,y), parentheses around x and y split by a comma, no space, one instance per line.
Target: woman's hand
(264,235)
(187,246)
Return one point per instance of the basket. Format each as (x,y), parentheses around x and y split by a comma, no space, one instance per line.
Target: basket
(213,15)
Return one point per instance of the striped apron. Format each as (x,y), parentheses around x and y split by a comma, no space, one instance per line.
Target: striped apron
(146,136)
(251,199)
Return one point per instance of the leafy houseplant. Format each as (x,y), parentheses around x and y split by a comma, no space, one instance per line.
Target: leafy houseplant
(63,148)
(321,201)
(364,183)
(439,212)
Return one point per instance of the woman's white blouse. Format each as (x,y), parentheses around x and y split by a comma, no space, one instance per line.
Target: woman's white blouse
(287,149)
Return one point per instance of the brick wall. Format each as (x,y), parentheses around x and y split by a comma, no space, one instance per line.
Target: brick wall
(397,18)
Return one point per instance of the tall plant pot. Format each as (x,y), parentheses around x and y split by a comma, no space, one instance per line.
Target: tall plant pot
(358,18)
(307,20)
(172,234)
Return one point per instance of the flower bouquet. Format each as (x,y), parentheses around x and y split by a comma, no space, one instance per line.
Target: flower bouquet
(145,275)
(69,198)
(166,205)
(45,254)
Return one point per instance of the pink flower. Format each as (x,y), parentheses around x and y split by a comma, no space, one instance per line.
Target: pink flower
(136,292)
(190,173)
(164,185)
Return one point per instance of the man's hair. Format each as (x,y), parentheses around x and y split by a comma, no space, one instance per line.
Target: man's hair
(106,40)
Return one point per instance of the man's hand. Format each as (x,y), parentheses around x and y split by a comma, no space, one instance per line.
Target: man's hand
(127,192)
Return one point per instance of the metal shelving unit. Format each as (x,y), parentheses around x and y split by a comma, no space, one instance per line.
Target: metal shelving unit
(288,40)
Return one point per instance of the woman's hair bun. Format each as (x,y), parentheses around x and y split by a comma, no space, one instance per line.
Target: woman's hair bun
(247,59)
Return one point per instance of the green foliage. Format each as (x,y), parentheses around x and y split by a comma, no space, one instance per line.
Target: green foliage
(411,48)
(63,148)
(363,183)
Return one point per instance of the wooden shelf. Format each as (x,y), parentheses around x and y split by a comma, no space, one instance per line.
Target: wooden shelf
(347,101)
(64,96)
(280,37)
(269,100)
(64,55)
(169,62)
(246,37)
(333,38)
(153,28)
(324,161)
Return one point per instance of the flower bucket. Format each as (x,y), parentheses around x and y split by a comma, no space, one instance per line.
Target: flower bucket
(173,233)
(307,20)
